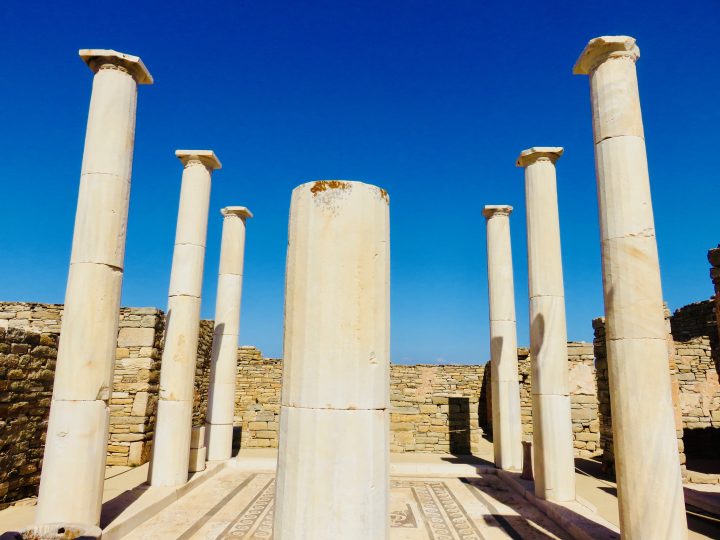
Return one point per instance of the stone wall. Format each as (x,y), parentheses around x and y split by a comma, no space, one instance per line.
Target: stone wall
(202,372)
(136,378)
(583,397)
(435,408)
(257,399)
(27,369)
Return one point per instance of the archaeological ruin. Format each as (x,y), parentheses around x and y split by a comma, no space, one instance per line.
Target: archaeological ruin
(333,440)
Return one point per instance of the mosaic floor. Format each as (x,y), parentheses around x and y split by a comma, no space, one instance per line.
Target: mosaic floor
(239,505)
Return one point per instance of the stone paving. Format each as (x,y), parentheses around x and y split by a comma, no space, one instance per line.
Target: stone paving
(239,504)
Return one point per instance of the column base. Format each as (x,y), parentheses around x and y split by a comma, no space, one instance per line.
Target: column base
(171,446)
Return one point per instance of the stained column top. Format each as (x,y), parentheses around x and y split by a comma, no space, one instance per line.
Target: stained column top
(95,58)
(490,210)
(531,155)
(206,157)
(240,211)
(601,48)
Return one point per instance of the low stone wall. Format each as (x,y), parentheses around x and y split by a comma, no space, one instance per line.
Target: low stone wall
(583,397)
(202,372)
(435,408)
(27,369)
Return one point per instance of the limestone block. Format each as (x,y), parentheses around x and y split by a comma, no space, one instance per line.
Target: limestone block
(187,270)
(543,225)
(624,188)
(548,342)
(109,138)
(554,463)
(218,440)
(341,457)
(194,206)
(172,442)
(136,455)
(227,312)
(136,337)
(197,459)
(180,354)
(197,437)
(86,351)
(337,286)
(75,450)
(633,293)
(101,220)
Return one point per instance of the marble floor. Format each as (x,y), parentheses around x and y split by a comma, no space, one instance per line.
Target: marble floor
(239,504)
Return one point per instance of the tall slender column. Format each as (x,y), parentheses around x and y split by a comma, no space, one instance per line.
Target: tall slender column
(333,460)
(76,443)
(223,370)
(647,465)
(554,468)
(507,427)
(171,445)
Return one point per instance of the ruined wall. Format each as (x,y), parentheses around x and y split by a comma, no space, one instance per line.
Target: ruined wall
(136,378)
(435,408)
(257,399)
(583,397)
(202,372)
(27,369)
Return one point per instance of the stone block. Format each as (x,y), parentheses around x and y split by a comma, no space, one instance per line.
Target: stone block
(136,337)
(197,459)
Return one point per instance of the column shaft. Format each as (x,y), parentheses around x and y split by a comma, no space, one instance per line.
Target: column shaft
(223,369)
(647,464)
(507,426)
(76,443)
(171,444)
(333,461)
(554,468)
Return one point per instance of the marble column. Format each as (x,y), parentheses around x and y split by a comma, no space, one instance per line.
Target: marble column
(76,443)
(650,493)
(507,427)
(333,471)
(171,445)
(223,370)
(554,467)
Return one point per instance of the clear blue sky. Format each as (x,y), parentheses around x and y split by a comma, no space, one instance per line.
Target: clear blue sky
(431,100)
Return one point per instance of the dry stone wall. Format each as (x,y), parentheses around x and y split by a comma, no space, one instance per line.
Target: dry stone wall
(583,397)
(27,369)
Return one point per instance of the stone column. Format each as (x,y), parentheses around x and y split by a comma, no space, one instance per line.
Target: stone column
(647,465)
(76,443)
(171,445)
(507,427)
(223,370)
(333,472)
(554,467)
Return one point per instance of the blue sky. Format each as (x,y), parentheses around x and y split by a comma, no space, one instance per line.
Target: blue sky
(431,100)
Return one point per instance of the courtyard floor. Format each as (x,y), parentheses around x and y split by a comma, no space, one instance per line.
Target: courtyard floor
(437,497)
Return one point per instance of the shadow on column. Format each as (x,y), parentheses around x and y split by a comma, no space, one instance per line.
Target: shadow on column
(459,425)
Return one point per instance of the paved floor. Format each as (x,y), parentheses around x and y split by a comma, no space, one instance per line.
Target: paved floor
(239,504)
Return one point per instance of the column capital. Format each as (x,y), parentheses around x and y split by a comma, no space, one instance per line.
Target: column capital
(97,58)
(203,157)
(490,210)
(239,211)
(531,155)
(600,49)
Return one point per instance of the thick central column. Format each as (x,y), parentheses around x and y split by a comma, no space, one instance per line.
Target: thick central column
(76,443)
(171,445)
(507,427)
(223,369)
(554,468)
(647,465)
(333,472)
